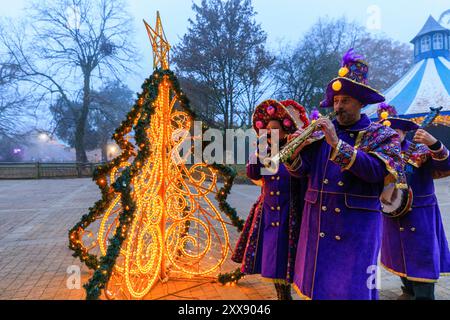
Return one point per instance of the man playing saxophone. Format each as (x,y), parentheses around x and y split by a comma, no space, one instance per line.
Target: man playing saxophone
(348,162)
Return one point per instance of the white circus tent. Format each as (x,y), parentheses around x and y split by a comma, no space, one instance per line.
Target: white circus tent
(427,83)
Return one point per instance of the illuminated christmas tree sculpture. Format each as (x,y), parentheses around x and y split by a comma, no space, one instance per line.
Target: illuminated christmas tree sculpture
(156,218)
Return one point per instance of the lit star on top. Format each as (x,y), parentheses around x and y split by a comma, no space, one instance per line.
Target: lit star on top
(161,46)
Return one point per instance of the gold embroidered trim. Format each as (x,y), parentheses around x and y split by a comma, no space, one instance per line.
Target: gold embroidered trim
(259,182)
(411,162)
(336,151)
(300,293)
(404,275)
(277,281)
(393,174)
(435,153)
(355,153)
(359,139)
(344,193)
(358,83)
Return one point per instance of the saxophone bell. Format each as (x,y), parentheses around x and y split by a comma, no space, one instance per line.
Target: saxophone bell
(271,164)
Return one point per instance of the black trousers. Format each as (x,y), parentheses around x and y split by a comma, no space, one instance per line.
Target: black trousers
(420,290)
(283,291)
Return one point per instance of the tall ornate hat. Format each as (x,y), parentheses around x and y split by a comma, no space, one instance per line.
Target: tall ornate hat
(352,81)
(291,115)
(388,116)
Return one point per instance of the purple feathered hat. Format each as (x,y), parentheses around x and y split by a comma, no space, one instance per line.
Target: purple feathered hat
(385,111)
(352,81)
(388,116)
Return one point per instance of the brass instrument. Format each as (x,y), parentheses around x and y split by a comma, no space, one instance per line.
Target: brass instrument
(288,150)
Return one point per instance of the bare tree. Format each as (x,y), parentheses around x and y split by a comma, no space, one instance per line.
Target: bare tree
(389,60)
(15,111)
(216,50)
(303,72)
(9,100)
(200,96)
(72,45)
(257,80)
(15,115)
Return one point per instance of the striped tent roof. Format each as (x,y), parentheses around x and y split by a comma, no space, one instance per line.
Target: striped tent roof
(425,85)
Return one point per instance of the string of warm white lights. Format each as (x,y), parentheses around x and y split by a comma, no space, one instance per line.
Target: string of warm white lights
(156,215)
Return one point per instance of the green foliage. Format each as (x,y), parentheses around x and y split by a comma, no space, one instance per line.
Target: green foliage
(233,276)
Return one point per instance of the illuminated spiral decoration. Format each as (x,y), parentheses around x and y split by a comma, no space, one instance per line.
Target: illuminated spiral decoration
(176,227)
(200,251)
(97,241)
(172,226)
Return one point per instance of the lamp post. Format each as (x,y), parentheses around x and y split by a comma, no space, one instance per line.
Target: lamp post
(111,152)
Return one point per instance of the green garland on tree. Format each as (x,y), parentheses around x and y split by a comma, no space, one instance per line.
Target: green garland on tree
(143,111)
(230,277)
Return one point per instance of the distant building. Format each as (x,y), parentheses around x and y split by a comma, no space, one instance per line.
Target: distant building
(427,83)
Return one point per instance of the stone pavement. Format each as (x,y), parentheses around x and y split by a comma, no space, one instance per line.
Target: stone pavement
(35,262)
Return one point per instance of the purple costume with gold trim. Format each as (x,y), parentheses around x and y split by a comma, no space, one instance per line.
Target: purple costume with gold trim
(415,246)
(268,242)
(340,235)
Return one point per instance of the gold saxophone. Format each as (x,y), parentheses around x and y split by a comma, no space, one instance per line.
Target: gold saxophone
(288,150)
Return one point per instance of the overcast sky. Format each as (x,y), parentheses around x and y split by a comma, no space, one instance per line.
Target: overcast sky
(283,20)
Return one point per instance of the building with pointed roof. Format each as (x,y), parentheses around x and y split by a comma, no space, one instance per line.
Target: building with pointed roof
(427,83)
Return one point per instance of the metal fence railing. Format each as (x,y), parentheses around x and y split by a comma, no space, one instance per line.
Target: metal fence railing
(44,170)
(47,170)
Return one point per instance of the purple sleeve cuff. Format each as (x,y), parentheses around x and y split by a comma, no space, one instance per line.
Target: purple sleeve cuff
(441,154)
(344,155)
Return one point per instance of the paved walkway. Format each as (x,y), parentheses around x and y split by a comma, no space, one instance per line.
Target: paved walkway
(35,262)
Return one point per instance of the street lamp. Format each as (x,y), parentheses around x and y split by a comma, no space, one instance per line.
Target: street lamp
(112,149)
(43,137)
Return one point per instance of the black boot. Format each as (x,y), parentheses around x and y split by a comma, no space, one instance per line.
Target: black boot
(286,292)
(407,290)
(406,295)
(423,290)
(278,289)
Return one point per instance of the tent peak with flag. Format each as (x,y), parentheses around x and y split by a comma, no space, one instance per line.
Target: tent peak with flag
(427,83)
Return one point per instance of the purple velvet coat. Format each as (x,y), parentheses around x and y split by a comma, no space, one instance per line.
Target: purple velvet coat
(268,242)
(340,235)
(415,245)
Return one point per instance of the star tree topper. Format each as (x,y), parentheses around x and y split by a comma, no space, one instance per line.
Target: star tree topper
(161,47)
